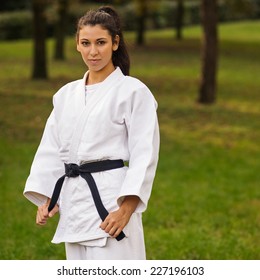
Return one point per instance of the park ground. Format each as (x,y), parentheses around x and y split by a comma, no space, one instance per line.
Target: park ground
(205,202)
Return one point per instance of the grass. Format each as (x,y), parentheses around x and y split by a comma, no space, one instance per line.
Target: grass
(206,199)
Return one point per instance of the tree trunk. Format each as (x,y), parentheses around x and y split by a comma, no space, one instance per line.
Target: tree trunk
(60,30)
(39,37)
(140,40)
(179,19)
(208,83)
(141,19)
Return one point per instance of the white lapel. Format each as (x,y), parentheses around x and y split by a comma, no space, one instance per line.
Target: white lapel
(79,92)
(112,80)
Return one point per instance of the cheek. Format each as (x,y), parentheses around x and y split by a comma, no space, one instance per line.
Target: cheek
(83,52)
(108,52)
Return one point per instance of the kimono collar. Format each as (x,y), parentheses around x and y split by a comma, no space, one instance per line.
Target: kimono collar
(116,74)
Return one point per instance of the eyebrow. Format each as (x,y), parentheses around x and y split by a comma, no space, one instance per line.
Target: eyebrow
(102,38)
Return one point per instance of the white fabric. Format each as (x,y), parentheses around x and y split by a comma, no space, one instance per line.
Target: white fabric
(129,248)
(112,250)
(91,89)
(117,121)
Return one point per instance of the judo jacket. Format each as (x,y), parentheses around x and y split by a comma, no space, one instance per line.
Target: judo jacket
(117,121)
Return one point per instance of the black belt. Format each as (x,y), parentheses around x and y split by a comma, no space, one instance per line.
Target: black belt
(85,170)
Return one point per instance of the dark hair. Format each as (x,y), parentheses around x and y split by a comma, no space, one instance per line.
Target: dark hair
(108,18)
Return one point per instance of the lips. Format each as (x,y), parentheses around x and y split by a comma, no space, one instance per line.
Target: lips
(94,61)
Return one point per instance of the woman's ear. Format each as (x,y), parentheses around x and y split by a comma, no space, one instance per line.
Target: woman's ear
(116,43)
(78,46)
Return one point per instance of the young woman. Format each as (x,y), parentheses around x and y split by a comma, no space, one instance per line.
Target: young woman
(104,130)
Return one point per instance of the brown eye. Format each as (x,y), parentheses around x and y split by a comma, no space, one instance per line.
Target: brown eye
(101,42)
(84,43)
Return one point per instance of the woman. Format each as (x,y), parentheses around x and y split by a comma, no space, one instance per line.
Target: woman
(104,129)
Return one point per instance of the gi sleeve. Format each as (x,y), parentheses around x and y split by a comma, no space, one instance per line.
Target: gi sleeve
(47,166)
(143,144)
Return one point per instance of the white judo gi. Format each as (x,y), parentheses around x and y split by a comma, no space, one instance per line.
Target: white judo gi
(117,121)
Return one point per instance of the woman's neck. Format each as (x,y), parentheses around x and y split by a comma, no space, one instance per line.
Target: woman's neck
(95,77)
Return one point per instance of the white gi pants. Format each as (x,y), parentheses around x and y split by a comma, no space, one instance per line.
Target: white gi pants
(129,248)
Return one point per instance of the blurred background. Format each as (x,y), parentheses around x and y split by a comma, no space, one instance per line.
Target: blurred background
(201,60)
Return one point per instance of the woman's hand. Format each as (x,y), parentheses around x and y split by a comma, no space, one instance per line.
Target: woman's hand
(43,214)
(117,220)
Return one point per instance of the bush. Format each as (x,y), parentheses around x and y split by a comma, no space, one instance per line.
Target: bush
(15,25)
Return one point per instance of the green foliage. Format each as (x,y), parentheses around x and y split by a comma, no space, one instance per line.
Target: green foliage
(206,198)
(15,25)
(14,5)
(160,15)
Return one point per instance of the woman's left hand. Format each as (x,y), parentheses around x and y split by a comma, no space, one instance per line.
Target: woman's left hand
(117,220)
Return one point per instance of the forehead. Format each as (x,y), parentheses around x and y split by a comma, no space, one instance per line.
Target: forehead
(93,32)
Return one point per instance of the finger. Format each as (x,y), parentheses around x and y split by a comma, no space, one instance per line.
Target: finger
(104,224)
(114,231)
(41,223)
(117,232)
(40,220)
(39,214)
(108,228)
(43,210)
(54,211)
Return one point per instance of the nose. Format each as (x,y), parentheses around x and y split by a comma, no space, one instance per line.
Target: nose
(93,51)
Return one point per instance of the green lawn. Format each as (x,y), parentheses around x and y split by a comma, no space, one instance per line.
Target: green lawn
(205,202)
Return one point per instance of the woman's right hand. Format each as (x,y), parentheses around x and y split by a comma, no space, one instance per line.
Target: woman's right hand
(43,214)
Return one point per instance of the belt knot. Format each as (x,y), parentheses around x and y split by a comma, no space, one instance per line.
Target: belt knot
(72,170)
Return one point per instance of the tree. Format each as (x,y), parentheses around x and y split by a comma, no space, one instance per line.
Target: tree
(60,29)
(141,15)
(179,19)
(39,37)
(208,83)
(143,10)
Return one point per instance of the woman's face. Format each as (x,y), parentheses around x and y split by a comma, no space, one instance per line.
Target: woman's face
(96,48)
